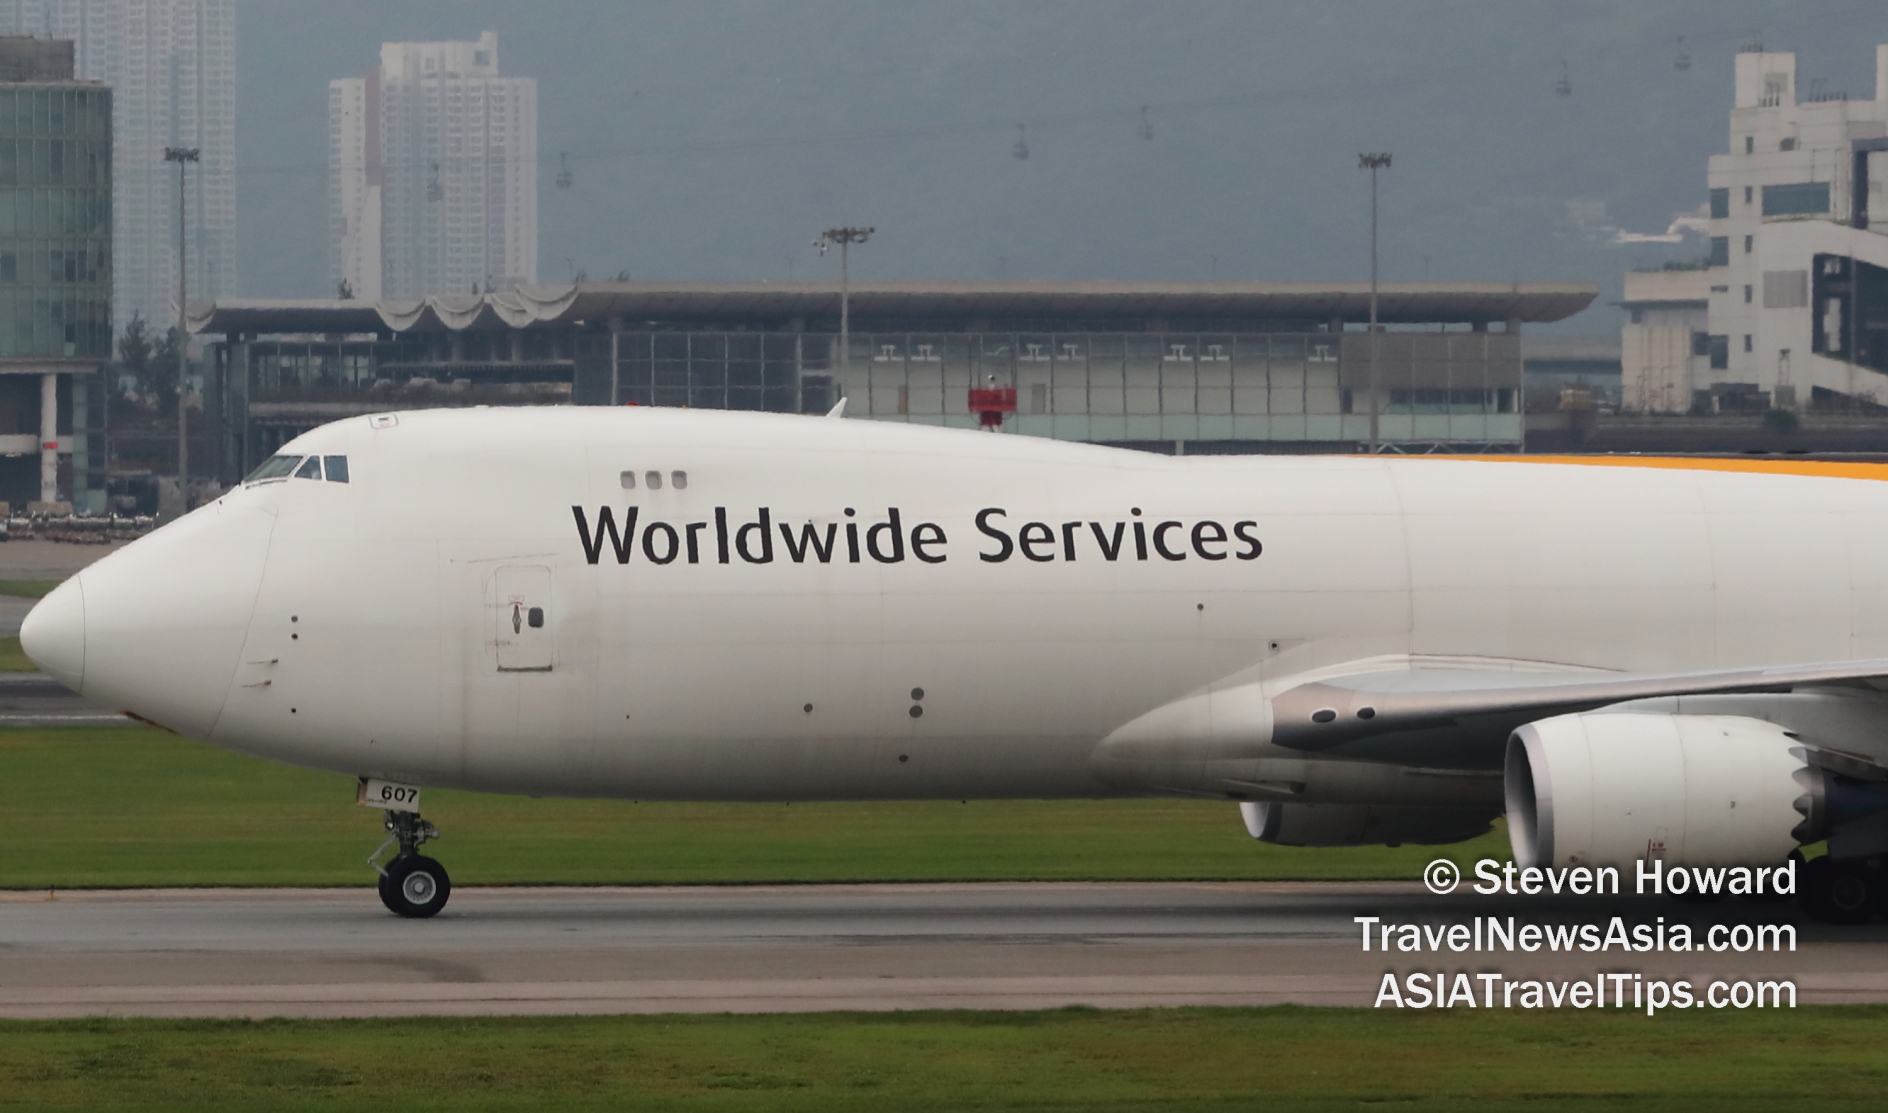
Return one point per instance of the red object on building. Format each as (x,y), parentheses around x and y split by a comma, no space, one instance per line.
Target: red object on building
(990,404)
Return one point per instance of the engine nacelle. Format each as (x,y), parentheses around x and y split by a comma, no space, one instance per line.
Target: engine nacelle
(1608,789)
(1361,824)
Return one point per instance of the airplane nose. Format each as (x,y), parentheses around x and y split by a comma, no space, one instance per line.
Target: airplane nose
(53,634)
(157,627)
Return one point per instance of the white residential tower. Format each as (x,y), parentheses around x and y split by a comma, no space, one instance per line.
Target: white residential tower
(432,185)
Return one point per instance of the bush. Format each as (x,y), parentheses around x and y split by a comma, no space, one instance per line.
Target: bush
(1781,421)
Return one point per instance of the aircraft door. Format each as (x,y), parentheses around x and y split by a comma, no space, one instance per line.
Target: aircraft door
(521,618)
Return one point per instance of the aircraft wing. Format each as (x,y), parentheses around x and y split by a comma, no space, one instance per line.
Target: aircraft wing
(1427,714)
(1328,714)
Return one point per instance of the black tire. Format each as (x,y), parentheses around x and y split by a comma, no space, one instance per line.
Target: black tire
(1840,891)
(415,887)
(1812,886)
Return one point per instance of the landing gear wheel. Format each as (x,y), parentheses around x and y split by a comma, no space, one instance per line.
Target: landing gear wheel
(415,886)
(1841,890)
(412,885)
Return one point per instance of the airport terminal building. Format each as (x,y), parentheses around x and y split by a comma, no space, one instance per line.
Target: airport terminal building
(1171,367)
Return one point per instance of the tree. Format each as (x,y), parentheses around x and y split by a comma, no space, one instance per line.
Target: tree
(161,377)
(134,349)
(129,384)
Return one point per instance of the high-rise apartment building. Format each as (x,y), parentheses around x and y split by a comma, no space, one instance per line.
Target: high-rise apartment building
(432,185)
(171,66)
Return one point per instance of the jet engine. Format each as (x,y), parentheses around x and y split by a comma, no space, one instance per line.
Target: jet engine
(1361,824)
(1608,789)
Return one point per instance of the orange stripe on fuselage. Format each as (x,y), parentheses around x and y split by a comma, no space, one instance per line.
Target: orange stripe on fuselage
(1827,469)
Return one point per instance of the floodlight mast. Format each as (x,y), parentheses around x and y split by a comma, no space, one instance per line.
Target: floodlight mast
(182,156)
(845,238)
(1373,163)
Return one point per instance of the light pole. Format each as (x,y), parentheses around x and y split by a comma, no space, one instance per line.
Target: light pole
(182,156)
(1373,163)
(845,238)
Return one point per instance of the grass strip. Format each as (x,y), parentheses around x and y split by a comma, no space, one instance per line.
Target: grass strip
(118,807)
(13,658)
(1072,1059)
(28,589)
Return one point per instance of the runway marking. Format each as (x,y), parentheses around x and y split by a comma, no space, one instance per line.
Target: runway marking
(705,996)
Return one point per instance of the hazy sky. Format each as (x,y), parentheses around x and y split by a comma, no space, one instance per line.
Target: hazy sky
(714,140)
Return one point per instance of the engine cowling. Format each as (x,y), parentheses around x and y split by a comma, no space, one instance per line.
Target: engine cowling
(1361,824)
(1608,789)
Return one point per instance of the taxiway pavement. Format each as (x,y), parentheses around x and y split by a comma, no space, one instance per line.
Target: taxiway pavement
(259,953)
(32,699)
(49,560)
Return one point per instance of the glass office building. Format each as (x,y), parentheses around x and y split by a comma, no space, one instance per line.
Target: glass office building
(55,220)
(55,274)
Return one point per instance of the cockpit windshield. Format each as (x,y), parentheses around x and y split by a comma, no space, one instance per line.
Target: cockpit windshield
(275,467)
(301,467)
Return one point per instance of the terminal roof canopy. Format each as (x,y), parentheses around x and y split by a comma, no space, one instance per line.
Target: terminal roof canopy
(952,306)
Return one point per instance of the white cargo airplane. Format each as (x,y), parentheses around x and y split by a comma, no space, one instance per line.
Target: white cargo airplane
(1674,659)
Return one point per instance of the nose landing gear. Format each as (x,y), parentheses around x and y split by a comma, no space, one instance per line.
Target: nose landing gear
(412,885)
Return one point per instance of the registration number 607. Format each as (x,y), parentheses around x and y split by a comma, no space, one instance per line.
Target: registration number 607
(390,795)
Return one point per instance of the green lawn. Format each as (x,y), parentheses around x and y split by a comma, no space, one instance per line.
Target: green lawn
(1282,1058)
(13,658)
(133,806)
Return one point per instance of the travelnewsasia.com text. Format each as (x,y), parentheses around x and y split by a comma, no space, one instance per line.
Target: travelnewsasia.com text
(1494,933)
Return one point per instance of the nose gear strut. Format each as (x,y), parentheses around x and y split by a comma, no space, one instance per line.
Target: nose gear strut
(411,885)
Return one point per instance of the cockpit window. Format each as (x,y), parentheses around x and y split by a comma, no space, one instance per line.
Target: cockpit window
(301,467)
(275,467)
